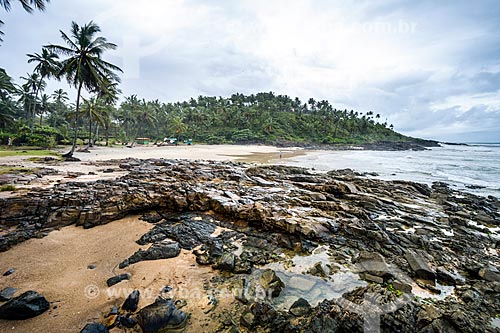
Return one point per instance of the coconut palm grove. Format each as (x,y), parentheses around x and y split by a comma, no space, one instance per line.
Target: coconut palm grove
(31,115)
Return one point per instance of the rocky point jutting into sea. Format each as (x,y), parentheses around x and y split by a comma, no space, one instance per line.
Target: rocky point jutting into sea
(291,250)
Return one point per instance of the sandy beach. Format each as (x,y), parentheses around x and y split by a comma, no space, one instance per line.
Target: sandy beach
(56,265)
(93,164)
(97,155)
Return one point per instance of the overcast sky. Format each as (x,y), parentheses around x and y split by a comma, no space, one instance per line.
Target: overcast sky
(432,68)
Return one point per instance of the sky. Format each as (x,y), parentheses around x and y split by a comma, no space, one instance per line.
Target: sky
(431,68)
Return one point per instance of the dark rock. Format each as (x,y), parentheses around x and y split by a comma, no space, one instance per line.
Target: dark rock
(94,328)
(164,249)
(91,266)
(7,293)
(166,289)
(489,274)
(117,279)
(271,283)
(226,262)
(318,270)
(443,275)
(402,286)
(27,305)
(300,307)
(247,318)
(419,266)
(470,296)
(373,278)
(372,263)
(128,322)
(9,272)
(161,316)
(112,312)
(132,301)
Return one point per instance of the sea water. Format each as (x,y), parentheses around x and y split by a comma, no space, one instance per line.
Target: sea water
(473,168)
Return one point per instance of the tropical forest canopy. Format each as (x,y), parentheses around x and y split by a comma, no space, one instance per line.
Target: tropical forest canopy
(30,115)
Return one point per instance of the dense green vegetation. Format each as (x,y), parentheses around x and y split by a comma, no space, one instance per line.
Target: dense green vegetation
(30,116)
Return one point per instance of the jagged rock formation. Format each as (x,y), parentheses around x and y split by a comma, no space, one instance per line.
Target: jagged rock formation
(385,230)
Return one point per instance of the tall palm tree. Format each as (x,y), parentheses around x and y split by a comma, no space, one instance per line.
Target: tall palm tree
(44,106)
(30,86)
(84,67)
(28,5)
(93,109)
(46,66)
(108,97)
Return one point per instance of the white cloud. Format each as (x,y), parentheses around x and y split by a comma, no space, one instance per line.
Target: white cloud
(405,60)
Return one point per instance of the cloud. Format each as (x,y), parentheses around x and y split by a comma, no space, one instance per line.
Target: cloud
(432,69)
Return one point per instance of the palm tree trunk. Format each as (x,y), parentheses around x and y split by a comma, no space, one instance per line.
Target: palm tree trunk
(90,128)
(75,125)
(96,136)
(37,90)
(106,130)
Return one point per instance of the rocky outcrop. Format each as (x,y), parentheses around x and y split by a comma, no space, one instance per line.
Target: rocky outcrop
(241,218)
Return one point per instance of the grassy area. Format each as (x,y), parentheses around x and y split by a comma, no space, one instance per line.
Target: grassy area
(26,151)
(8,188)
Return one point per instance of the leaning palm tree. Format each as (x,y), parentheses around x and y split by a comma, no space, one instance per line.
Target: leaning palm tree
(47,66)
(84,67)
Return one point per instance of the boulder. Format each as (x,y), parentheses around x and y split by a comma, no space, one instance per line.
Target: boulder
(161,316)
(117,279)
(300,307)
(94,328)
(419,266)
(132,301)
(27,305)
(372,263)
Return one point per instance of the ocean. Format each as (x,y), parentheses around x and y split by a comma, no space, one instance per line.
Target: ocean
(473,168)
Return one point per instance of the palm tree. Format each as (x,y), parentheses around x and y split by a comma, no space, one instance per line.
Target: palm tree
(28,5)
(32,82)
(84,67)
(93,110)
(60,96)
(6,85)
(47,66)
(44,106)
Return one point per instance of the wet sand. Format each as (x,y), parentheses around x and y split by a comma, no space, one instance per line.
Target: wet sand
(56,266)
